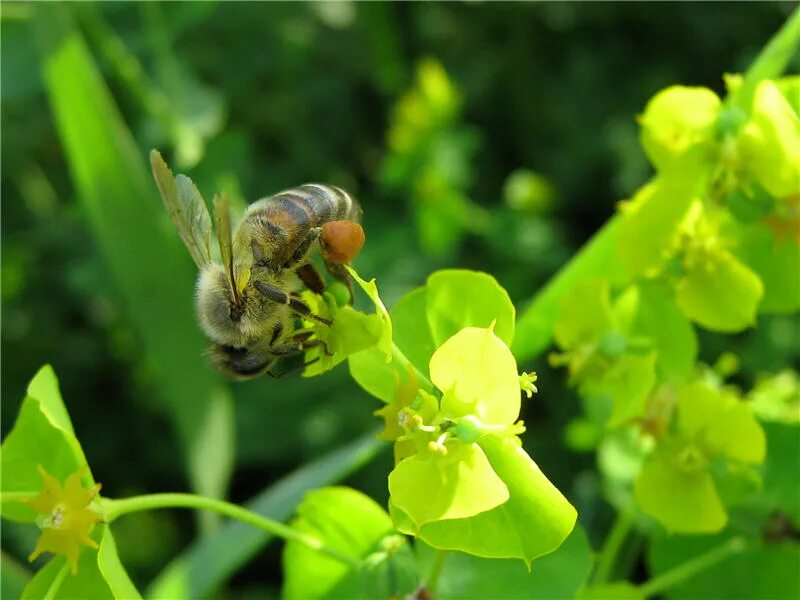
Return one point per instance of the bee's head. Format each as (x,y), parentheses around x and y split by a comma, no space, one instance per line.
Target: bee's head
(239,362)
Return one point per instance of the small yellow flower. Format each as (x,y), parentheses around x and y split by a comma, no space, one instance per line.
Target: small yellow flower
(66,518)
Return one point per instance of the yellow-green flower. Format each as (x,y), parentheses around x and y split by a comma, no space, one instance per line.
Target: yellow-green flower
(64,516)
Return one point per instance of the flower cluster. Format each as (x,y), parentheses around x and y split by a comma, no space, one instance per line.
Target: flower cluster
(65,516)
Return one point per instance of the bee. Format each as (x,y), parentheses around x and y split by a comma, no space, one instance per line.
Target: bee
(247,302)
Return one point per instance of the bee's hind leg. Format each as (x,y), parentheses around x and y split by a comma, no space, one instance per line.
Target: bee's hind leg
(309,275)
(339,272)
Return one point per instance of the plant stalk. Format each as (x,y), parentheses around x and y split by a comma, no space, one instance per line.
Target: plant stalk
(607,559)
(113,509)
(692,567)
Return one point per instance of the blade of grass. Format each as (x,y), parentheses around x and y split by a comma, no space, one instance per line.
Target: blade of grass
(207,564)
(146,264)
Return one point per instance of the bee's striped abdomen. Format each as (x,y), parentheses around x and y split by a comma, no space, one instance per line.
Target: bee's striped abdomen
(286,218)
(319,204)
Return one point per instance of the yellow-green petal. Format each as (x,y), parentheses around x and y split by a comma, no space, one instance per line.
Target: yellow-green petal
(770,142)
(683,501)
(456,485)
(677,127)
(478,375)
(720,293)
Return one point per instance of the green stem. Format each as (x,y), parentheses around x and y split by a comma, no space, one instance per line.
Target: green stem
(616,538)
(692,567)
(112,509)
(436,570)
(52,591)
(772,61)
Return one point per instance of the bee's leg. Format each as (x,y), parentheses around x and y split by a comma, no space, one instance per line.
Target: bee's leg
(340,273)
(293,371)
(310,276)
(297,346)
(281,297)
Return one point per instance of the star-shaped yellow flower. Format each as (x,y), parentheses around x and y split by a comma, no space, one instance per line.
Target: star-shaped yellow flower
(65,516)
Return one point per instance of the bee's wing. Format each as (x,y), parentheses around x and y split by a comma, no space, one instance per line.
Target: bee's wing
(222,216)
(186,208)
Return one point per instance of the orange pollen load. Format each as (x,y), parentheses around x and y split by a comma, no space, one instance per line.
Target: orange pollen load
(341,241)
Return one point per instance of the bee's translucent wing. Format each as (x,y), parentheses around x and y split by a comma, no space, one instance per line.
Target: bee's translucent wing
(186,208)
(222,215)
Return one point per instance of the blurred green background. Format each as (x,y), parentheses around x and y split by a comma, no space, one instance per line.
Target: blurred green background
(479,135)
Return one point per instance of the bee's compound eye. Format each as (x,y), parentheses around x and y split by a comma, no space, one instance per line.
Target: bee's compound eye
(341,241)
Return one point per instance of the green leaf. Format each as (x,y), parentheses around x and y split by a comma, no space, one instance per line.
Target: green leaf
(682,500)
(345,520)
(659,319)
(720,294)
(352,331)
(208,563)
(412,335)
(619,590)
(762,570)
(780,473)
(775,258)
(13,577)
(478,376)
(534,521)
(457,485)
(39,437)
(371,290)
(456,299)
(585,314)
(534,328)
(112,570)
(677,129)
(557,575)
(155,281)
(370,371)
(650,225)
